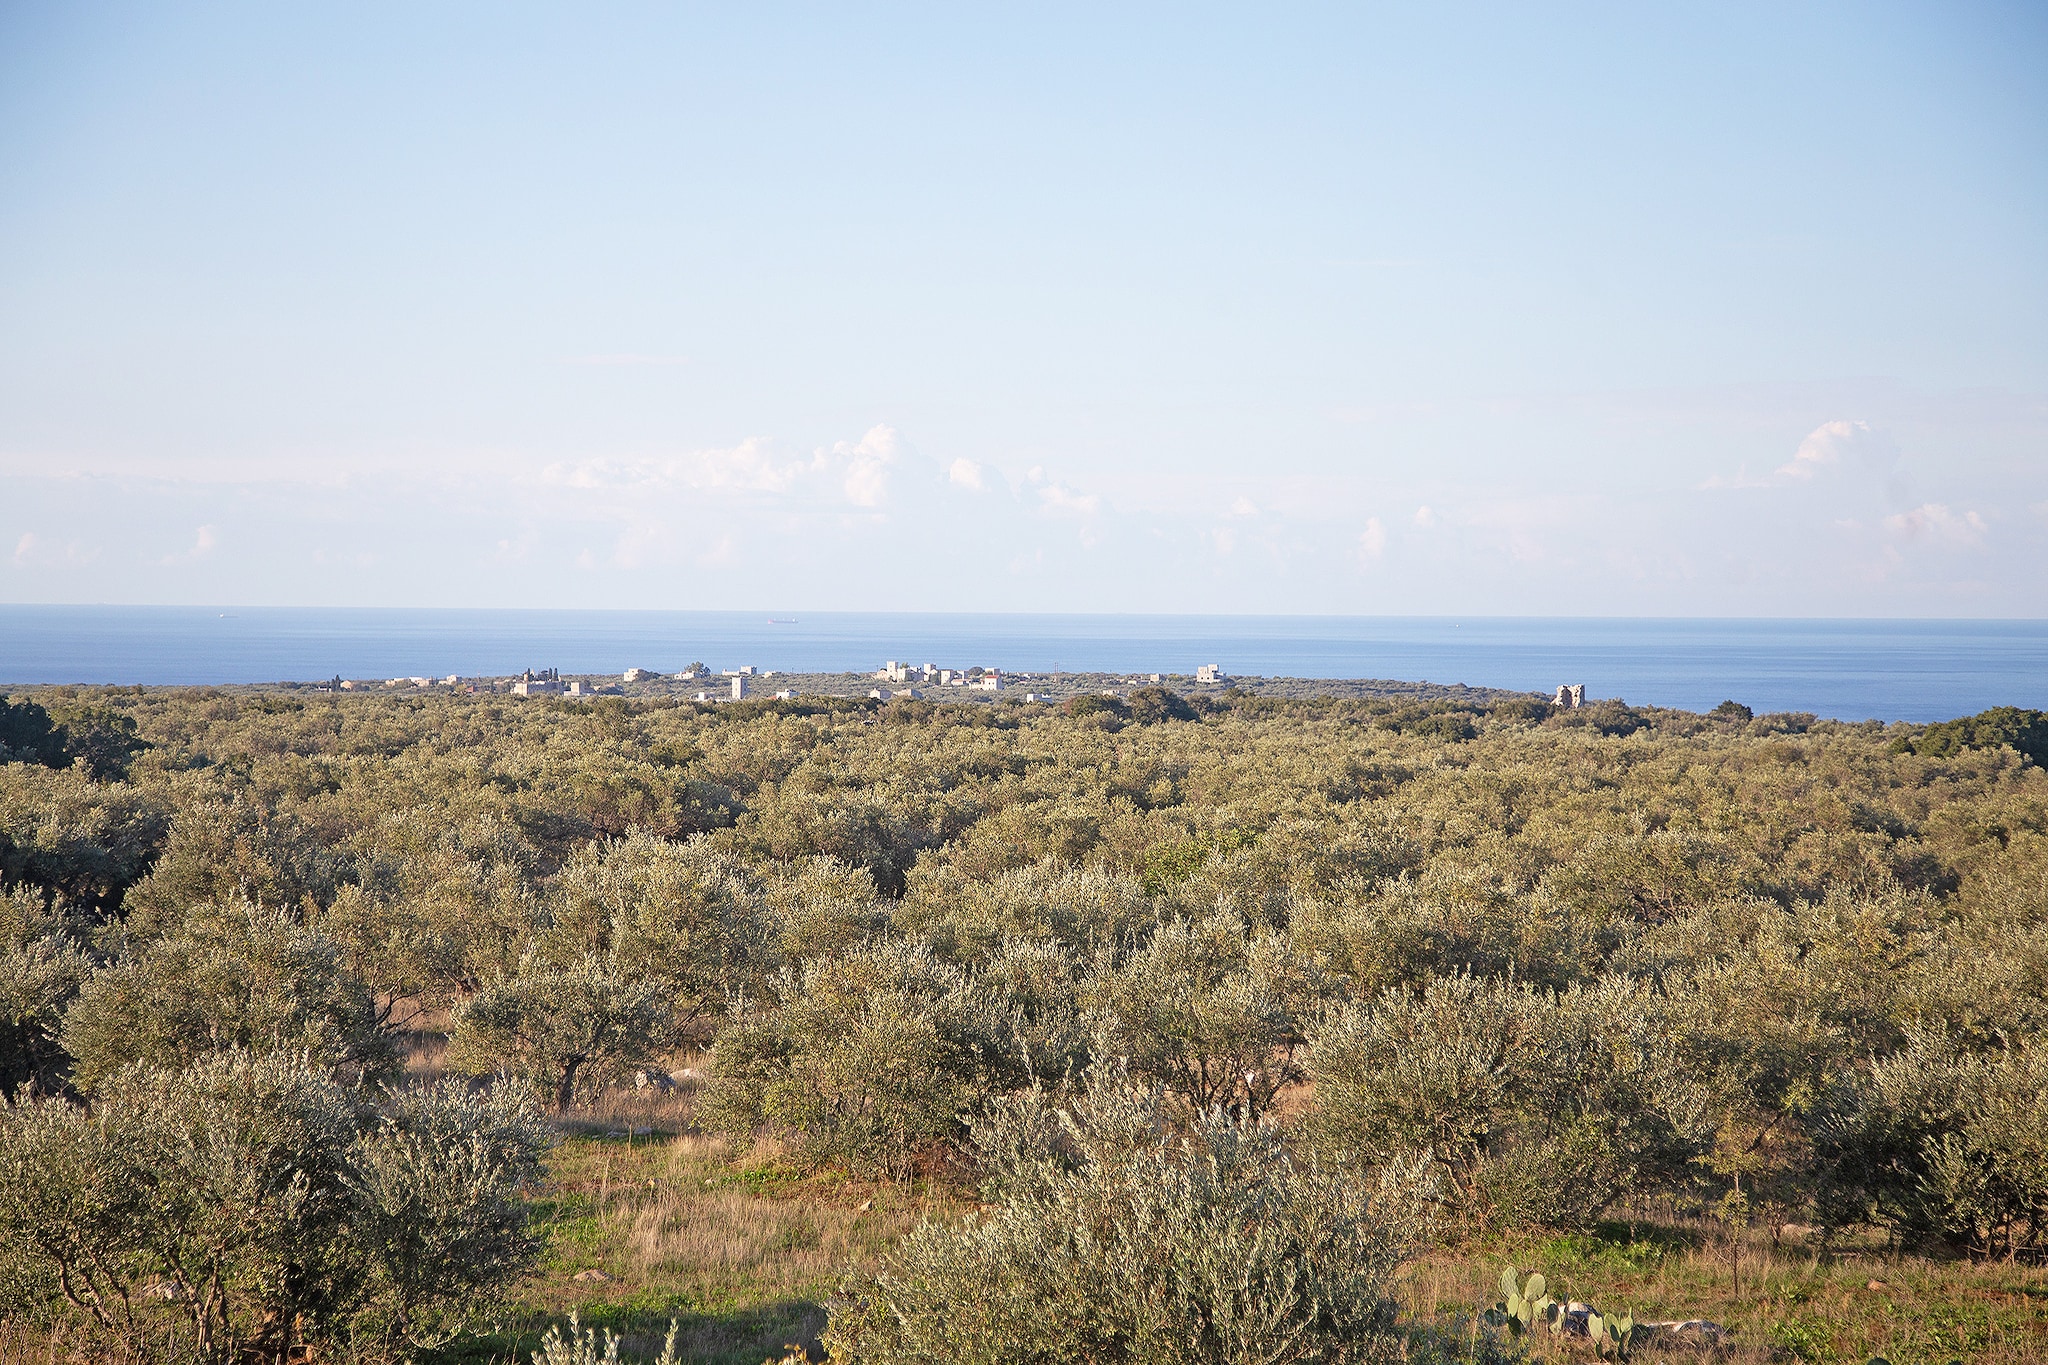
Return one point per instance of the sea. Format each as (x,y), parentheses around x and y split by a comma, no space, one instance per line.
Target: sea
(1916,670)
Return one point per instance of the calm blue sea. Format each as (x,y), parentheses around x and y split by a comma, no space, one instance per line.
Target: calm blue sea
(1851,670)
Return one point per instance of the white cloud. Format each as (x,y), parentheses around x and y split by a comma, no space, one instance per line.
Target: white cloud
(1060,499)
(203,542)
(1939,525)
(964,473)
(1425,516)
(628,358)
(749,467)
(1832,445)
(867,463)
(1244,507)
(33,550)
(853,471)
(1372,541)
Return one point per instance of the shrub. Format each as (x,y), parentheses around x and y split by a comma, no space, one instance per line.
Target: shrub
(866,1060)
(248,1206)
(1535,1109)
(437,1224)
(80,842)
(235,977)
(27,735)
(571,1029)
(101,738)
(1105,709)
(2008,726)
(1211,1010)
(40,972)
(1152,705)
(597,1346)
(1079,907)
(1115,1236)
(681,914)
(1936,1143)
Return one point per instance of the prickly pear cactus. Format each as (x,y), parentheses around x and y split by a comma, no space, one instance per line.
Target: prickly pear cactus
(1522,1304)
(1525,1303)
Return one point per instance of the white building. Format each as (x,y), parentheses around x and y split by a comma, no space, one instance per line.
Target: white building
(991,681)
(639,675)
(546,683)
(1209,673)
(739,685)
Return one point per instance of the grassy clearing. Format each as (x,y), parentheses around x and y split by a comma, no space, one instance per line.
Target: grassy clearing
(1796,1303)
(660,1223)
(744,1253)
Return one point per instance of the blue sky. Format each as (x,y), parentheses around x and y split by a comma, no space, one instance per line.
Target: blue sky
(1666,310)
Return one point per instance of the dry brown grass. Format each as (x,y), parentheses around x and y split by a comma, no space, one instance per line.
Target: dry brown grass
(1795,1303)
(738,1246)
(26,1344)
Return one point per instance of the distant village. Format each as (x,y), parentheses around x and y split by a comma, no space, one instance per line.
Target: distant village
(906,682)
(897,680)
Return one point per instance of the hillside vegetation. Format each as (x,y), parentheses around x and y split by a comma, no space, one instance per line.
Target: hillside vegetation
(1154,1029)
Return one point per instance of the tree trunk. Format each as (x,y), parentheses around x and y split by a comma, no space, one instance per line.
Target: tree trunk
(566,1091)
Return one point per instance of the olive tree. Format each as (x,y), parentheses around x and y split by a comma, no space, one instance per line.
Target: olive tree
(1210,1008)
(1533,1107)
(1114,1234)
(237,976)
(40,971)
(571,1028)
(248,1206)
(868,1059)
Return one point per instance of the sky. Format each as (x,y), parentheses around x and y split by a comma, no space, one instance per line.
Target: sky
(1671,310)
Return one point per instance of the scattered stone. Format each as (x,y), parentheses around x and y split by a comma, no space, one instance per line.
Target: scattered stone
(165,1291)
(1691,1329)
(651,1079)
(866,1204)
(1875,1284)
(593,1277)
(616,1132)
